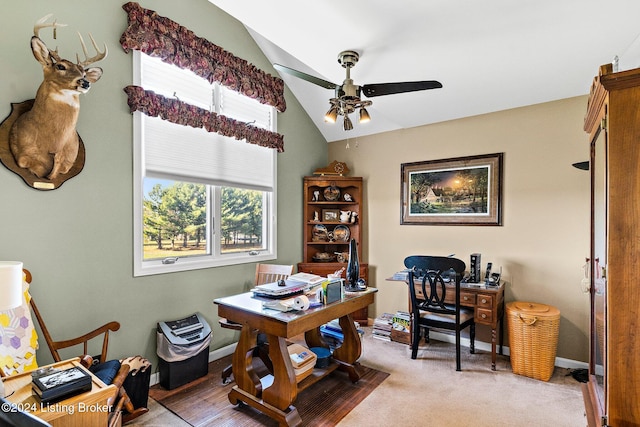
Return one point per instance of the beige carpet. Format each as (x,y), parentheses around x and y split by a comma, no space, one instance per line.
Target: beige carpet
(429,392)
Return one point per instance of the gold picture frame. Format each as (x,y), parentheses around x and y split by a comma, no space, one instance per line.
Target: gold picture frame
(455,191)
(330,215)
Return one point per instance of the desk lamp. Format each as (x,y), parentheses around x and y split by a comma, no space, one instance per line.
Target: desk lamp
(10,290)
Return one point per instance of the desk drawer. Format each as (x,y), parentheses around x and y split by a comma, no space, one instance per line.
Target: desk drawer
(484,315)
(485,301)
(467,299)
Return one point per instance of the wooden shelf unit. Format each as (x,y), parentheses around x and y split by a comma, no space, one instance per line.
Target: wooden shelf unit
(315,208)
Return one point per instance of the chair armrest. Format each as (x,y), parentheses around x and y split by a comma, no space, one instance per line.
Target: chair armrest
(111,326)
(84,339)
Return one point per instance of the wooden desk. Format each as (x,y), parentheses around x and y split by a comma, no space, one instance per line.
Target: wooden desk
(276,399)
(85,409)
(488,307)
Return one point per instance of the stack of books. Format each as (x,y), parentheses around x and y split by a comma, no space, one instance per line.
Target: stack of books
(401,327)
(382,326)
(402,275)
(334,331)
(55,384)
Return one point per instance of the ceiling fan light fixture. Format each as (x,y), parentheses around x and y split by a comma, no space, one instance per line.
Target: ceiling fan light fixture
(364,115)
(331,115)
(348,125)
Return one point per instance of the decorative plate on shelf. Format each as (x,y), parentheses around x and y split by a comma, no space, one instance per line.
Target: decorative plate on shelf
(320,233)
(331,193)
(341,233)
(323,257)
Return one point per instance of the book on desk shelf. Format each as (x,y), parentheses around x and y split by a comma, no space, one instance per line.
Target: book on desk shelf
(334,330)
(55,384)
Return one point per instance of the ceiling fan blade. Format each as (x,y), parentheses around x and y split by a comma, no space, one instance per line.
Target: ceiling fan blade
(401,87)
(315,80)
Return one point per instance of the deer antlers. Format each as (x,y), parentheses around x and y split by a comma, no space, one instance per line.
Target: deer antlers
(42,23)
(96,58)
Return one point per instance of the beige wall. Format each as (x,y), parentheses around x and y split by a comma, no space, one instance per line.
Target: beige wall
(77,240)
(544,238)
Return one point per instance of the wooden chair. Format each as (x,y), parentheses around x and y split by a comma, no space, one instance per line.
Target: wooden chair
(265,273)
(432,304)
(120,401)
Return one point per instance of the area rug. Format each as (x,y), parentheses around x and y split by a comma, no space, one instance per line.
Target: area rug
(204,402)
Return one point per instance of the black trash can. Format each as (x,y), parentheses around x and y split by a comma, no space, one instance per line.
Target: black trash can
(137,382)
(183,350)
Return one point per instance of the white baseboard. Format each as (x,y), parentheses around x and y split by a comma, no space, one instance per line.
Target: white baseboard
(560,362)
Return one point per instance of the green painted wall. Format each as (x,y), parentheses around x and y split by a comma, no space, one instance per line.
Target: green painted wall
(77,240)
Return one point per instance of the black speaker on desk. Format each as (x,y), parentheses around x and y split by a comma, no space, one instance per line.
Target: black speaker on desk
(474,268)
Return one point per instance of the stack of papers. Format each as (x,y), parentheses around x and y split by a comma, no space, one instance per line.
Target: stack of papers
(274,290)
(294,284)
(311,279)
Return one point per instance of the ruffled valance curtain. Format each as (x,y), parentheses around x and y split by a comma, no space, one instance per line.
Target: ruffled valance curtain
(165,39)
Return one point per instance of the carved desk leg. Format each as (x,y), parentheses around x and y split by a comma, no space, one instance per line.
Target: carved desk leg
(243,372)
(350,350)
(313,338)
(279,396)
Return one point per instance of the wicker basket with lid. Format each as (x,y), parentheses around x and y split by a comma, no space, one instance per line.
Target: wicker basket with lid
(533,338)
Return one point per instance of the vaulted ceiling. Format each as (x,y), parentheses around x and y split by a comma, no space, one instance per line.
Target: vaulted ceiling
(489,55)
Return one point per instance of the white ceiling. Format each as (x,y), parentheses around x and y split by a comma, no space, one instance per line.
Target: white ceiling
(489,55)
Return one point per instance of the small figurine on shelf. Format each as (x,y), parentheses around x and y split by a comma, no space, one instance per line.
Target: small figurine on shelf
(315,216)
(354,217)
(316,196)
(347,197)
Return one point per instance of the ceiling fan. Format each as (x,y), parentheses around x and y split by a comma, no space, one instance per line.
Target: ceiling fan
(347,95)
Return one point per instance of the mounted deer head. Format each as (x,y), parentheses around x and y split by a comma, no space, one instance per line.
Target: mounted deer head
(44,139)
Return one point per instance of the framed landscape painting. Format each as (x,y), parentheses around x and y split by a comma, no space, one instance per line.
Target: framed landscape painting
(458,191)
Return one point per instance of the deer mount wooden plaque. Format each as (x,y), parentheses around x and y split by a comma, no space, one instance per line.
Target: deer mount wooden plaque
(7,159)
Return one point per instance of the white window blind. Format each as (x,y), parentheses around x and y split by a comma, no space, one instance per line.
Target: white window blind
(192,154)
(195,154)
(174,82)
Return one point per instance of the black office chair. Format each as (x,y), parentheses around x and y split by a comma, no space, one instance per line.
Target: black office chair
(434,286)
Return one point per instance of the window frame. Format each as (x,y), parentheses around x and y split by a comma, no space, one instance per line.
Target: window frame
(143,267)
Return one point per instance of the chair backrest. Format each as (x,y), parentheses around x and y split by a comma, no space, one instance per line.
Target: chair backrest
(269,273)
(436,263)
(434,273)
(83,340)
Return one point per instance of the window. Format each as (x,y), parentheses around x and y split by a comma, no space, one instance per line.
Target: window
(200,199)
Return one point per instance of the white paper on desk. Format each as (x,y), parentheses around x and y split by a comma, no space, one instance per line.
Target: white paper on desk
(309,278)
(280,305)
